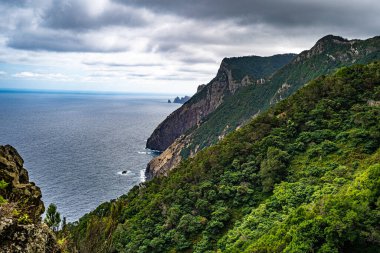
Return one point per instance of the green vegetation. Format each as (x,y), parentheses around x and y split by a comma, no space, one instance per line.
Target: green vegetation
(236,110)
(256,66)
(3,185)
(53,217)
(303,176)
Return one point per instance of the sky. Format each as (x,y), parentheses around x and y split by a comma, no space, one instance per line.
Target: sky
(160,46)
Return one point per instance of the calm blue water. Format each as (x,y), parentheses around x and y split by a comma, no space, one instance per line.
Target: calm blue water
(76,145)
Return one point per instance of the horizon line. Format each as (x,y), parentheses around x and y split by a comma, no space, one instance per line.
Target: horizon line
(88,92)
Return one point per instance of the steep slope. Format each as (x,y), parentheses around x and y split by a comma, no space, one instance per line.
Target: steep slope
(328,54)
(21,208)
(300,177)
(233,74)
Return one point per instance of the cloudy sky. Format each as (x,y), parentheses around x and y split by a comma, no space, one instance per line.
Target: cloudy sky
(167,46)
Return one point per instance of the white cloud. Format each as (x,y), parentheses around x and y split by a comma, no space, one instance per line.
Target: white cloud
(42,76)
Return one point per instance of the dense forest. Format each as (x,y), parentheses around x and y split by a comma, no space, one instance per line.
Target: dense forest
(304,176)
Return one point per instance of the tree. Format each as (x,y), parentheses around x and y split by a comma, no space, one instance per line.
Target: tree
(273,168)
(64,224)
(53,217)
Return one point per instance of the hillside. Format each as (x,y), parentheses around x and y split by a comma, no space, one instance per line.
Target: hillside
(301,177)
(328,54)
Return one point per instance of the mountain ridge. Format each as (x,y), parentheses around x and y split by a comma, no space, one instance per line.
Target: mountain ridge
(328,54)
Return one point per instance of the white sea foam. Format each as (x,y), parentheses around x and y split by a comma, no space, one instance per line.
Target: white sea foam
(142,175)
(149,152)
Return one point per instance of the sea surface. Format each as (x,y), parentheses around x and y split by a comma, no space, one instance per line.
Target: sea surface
(77,145)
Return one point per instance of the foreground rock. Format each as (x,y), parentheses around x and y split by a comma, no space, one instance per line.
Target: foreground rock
(21,229)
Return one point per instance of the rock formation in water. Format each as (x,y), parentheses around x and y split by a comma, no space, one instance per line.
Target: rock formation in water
(181,100)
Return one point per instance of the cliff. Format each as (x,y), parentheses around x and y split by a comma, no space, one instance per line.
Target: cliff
(228,80)
(21,229)
(328,54)
(192,112)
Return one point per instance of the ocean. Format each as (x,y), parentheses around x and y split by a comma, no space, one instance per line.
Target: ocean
(76,146)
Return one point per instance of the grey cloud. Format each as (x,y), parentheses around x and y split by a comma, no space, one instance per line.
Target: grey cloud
(14,2)
(75,15)
(172,77)
(221,27)
(196,59)
(274,12)
(115,64)
(55,41)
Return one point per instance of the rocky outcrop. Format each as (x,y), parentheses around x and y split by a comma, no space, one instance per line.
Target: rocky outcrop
(195,110)
(323,45)
(31,238)
(19,190)
(21,229)
(162,164)
(181,100)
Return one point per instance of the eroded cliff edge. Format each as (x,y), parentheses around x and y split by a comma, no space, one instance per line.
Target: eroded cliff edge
(205,101)
(21,229)
(230,77)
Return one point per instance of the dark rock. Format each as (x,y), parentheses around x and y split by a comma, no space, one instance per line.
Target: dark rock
(191,113)
(181,100)
(21,230)
(20,190)
(200,87)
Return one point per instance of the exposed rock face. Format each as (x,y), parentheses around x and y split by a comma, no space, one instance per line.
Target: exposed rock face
(323,45)
(21,229)
(197,108)
(174,133)
(32,238)
(162,164)
(20,190)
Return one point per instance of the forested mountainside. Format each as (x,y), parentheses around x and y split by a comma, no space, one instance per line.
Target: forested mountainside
(328,54)
(303,176)
(21,207)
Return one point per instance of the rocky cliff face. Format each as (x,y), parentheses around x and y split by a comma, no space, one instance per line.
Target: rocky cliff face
(162,164)
(21,229)
(174,133)
(193,111)
(233,74)
(329,53)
